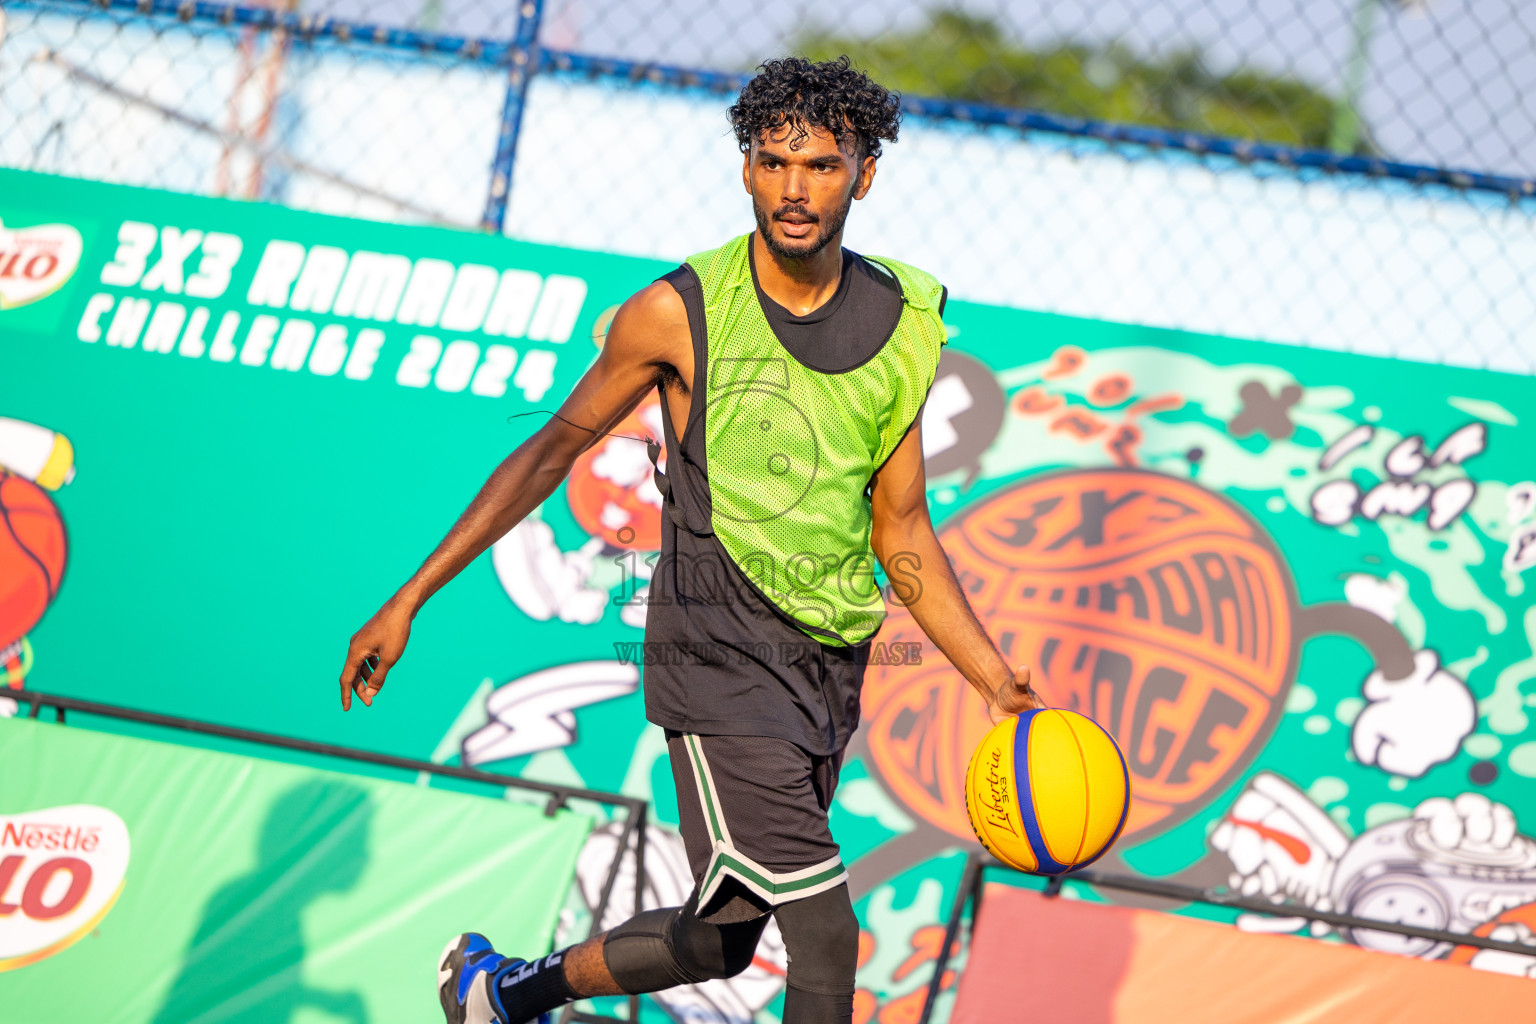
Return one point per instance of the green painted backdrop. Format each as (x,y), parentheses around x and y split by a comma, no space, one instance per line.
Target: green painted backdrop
(230,525)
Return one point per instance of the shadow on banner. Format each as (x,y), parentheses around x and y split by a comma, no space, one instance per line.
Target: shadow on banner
(245,962)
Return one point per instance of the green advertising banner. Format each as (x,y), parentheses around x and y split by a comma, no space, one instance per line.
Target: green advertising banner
(150,882)
(1293,583)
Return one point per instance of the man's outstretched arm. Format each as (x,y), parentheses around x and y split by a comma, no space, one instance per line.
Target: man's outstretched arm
(643,332)
(919,570)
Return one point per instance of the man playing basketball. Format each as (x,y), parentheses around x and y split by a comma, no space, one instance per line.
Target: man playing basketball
(792,374)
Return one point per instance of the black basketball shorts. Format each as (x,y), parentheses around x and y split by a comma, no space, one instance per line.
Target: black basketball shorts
(753,814)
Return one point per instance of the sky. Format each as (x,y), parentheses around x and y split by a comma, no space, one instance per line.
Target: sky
(1449,82)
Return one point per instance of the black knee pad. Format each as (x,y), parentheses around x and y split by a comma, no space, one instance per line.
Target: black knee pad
(662,948)
(715,950)
(638,953)
(821,936)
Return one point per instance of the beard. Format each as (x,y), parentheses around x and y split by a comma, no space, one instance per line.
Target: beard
(801,248)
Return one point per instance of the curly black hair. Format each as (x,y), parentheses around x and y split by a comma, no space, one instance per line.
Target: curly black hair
(829,95)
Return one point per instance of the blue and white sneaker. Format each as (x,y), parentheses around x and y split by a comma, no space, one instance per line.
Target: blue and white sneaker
(468,974)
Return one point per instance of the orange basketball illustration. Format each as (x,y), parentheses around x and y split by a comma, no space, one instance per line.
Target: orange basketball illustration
(33,550)
(611,490)
(1157,608)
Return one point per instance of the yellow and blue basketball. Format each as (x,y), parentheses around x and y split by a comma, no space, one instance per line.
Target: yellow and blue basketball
(1047,791)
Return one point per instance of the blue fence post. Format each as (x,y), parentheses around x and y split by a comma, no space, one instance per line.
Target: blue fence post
(522,64)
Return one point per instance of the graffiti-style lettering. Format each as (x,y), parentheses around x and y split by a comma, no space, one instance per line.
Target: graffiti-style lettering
(1520,499)
(1093,508)
(1112,676)
(1182,610)
(1464,443)
(1131,589)
(1449,501)
(1163,686)
(1357,438)
(1521,554)
(1081,425)
(1406,457)
(1401,494)
(1122,445)
(1110,390)
(1395,497)
(1221,711)
(1065,361)
(1025,529)
(1037,402)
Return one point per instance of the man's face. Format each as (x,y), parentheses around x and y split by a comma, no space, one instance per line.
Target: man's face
(801,197)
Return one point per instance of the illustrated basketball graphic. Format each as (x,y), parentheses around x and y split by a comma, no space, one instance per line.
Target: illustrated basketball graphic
(1156,608)
(33,550)
(611,490)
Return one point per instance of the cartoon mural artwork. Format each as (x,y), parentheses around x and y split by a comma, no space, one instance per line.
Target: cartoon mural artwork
(1090,421)
(34,546)
(1298,585)
(1514,925)
(1408,725)
(1409,483)
(1521,553)
(963,413)
(538,711)
(1452,865)
(1157,608)
(1099,510)
(1097,638)
(612,494)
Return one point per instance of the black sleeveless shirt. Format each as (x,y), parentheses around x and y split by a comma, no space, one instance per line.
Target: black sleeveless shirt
(720,658)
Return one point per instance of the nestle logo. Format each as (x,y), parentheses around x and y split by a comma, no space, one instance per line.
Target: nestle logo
(35,836)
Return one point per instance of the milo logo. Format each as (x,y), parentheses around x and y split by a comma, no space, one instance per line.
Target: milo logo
(35,262)
(61,870)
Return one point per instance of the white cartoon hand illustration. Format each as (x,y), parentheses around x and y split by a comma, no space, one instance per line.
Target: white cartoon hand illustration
(1282,846)
(1502,962)
(1413,724)
(1470,824)
(544,581)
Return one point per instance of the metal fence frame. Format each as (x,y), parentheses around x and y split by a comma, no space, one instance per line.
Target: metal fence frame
(523,58)
(637,811)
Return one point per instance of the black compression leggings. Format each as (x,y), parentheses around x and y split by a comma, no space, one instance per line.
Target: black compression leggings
(662,948)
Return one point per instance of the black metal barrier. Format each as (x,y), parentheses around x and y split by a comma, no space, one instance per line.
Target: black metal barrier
(636,810)
(977,863)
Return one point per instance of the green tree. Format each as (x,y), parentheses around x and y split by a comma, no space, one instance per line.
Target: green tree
(957,55)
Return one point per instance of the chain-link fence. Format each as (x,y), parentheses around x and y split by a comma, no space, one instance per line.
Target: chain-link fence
(1353,174)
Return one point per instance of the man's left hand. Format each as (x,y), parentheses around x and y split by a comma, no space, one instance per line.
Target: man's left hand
(1013,697)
